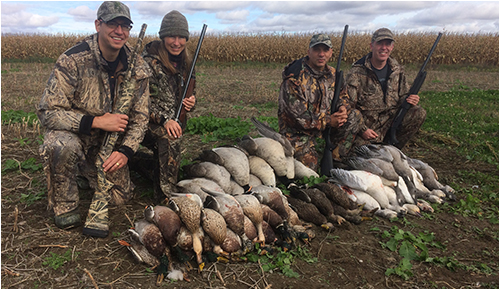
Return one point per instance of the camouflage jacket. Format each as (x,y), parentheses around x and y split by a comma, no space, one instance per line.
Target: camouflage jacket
(78,89)
(305,99)
(366,94)
(165,89)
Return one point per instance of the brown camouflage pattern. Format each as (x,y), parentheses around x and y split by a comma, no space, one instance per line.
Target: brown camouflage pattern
(79,86)
(374,110)
(304,107)
(166,93)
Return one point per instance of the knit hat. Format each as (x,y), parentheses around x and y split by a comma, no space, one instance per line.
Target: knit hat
(174,24)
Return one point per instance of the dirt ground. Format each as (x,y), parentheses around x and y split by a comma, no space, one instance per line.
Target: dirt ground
(350,256)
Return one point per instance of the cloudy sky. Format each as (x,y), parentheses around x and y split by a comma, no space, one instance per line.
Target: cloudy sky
(77,17)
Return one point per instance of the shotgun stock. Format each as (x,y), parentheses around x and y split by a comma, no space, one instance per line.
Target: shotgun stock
(327,159)
(97,218)
(190,81)
(390,137)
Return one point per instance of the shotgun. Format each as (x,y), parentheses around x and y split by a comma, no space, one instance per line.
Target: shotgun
(97,219)
(327,159)
(390,137)
(180,117)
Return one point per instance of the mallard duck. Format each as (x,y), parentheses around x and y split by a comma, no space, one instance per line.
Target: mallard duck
(251,208)
(214,226)
(232,212)
(268,233)
(150,236)
(250,229)
(232,244)
(194,185)
(272,197)
(309,212)
(212,171)
(336,195)
(319,199)
(167,221)
(271,217)
(260,168)
(140,253)
(234,159)
(188,208)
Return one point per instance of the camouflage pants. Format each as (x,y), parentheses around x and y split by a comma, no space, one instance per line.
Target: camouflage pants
(347,136)
(64,154)
(163,166)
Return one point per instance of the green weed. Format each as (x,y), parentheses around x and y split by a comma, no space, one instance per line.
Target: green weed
(29,164)
(19,116)
(55,261)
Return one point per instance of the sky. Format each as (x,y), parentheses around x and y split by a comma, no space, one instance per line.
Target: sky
(77,17)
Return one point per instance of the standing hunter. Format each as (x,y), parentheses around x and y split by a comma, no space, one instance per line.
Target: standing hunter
(305,99)
(75,111)
(376,87)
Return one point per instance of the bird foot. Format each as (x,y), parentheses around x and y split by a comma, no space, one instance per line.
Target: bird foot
(159,279)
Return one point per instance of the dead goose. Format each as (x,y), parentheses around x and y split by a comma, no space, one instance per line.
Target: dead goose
(266,131)
(273,153)
(194,185)
(234,159)
(260,168)
(251,208)
(430,178)
(211,171)
(302,171)
(254,181)
(232,212)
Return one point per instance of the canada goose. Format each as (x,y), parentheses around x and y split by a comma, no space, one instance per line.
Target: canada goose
(167,221)
(302,171)
(272,197)
(150,236)
(214,226)
(260,168)
(211,171)
(232,212)
(254,181)
(234,159)
(309,212)
(266,131)
(430,178)
(319,199)
(194,185)
(187,207)
(251,208)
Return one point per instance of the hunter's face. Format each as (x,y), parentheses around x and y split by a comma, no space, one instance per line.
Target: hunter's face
(174,44)
(381,50)
(112,37)
(319,56)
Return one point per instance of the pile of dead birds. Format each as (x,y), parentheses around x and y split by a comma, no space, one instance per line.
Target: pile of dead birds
(230,201)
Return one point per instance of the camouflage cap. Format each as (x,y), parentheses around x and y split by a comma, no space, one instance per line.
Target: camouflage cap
(320,39)
(381,34)
(110,10)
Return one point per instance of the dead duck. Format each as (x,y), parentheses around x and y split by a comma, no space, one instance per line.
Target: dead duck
(188,208)
(232,212)
(236,189)
(251,208)
(337,195)
(150,236)
(271,217)
(309,212)
(260,168)
(268,233)
(250,229)
(167,221)
(140,253)
(272,197)
(209,170)
(319,199)
(232,244)
(254,181)
(214,226)
(234,159)
(194,185)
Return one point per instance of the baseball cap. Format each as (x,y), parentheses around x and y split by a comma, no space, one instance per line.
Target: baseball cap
(381,34)
(320,39)
(110,10)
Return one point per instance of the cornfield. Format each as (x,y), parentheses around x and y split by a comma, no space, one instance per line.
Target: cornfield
(454,48)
